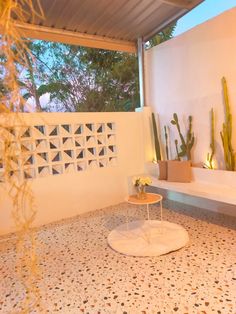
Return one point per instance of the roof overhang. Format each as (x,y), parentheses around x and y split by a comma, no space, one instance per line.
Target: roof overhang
(106,24)
(74,38)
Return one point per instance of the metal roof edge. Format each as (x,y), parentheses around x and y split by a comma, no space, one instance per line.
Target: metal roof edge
(74,38)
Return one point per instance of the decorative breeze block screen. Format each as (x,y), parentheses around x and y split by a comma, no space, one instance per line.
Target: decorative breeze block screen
(41,150)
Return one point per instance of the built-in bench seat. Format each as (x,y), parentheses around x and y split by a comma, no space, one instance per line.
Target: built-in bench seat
(216,185)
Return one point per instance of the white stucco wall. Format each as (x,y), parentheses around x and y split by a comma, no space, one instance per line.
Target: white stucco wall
(184,75)
(69,194)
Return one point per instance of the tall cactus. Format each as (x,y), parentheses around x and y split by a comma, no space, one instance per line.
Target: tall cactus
(166,142)
(186,145)
(210,155)
(156,139)
(226,133)
(177,151)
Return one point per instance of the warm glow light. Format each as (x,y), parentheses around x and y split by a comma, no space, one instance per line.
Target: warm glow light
(208,166)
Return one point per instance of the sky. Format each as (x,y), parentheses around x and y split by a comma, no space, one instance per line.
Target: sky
(202,13)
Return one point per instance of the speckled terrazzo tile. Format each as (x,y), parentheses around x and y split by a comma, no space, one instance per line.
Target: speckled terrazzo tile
(81,274)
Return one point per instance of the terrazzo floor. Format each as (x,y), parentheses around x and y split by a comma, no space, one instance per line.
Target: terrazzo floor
(81,274)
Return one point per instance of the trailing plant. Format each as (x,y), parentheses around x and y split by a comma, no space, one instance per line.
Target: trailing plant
(226,133)
(166,142)
(17,187)
(210,155)
(186,144)
(156,139)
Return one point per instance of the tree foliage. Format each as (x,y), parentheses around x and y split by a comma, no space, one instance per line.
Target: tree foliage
(85,79)
(80,79)
(164,35)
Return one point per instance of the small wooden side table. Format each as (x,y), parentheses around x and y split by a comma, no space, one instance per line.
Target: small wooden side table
(151,198)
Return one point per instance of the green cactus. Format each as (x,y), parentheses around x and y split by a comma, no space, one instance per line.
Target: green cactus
(210,155)
(226,133)
(177,151)
(166,142)
(186,145)
(156,139)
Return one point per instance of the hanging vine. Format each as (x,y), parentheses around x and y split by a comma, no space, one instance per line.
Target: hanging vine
(12,62)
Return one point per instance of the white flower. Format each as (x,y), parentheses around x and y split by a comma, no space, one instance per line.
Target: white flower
(139,181)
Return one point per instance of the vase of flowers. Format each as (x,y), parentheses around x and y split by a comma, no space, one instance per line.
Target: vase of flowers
(140,184)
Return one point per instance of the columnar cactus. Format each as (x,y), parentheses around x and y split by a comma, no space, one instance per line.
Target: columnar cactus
(156,139)
(226,133)
(166,142)
(177,151)
(212,144)
(186,145)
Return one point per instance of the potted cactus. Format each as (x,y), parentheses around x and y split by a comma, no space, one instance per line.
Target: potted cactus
(186,144)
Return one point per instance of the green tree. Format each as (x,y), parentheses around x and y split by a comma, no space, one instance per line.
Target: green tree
(26,76)
(85,79)
(80,79)
(115,83)
(159,38)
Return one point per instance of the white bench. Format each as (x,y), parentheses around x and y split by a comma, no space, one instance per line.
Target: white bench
(215,185)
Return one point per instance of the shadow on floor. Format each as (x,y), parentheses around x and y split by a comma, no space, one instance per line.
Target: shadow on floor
(197,212)
(117,220)
(202,214)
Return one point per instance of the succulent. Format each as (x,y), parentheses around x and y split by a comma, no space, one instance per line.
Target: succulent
(186,144)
